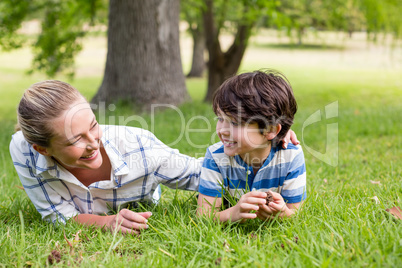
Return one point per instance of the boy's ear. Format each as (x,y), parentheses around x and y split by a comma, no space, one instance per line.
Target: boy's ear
(271,132)
(40,149)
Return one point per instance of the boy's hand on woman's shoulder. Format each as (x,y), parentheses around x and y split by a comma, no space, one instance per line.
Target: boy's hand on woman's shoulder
(290,137)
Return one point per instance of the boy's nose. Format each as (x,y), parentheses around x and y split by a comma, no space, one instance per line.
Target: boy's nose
(224,129)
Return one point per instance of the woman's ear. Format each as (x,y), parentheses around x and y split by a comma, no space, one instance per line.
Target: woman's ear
(42,150)
(272,131)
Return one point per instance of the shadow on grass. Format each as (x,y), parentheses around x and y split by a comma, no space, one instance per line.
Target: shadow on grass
(9,211)
(300,46)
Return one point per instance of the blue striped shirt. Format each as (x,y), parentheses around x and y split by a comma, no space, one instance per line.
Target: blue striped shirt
(284,171)
(140,163)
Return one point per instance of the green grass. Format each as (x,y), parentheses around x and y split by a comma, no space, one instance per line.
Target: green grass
(339,226)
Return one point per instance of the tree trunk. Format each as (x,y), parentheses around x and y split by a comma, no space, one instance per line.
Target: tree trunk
(143,62)
(300,33)
(222,65)
(198,64)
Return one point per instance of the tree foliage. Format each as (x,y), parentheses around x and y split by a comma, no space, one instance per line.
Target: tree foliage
(372,16)
(12,14)
(382,16)
(63,24)
(62,29)
(298,15)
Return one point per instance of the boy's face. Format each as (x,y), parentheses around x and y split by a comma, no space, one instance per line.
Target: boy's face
(243,140)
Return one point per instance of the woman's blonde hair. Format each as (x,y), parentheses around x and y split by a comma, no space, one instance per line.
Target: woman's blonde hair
(40,104)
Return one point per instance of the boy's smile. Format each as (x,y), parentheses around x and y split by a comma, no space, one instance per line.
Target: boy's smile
(243,140)
(228,143)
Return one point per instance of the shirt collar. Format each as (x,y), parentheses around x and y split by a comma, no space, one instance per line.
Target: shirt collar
(271,155)
(119,166)
(44,163)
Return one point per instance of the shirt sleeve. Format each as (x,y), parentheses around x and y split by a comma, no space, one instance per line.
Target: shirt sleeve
(294,186)
(173,169)
(211,179)
(47,201)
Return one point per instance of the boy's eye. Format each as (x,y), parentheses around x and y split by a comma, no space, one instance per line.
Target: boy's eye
(235,124)
(220,119)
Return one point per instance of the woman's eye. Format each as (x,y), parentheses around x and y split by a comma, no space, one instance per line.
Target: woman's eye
(74,142)
(96,123)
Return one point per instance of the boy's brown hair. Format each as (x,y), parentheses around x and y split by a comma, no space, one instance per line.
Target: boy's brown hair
(265,98)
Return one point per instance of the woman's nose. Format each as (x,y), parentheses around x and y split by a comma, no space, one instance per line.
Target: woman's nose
(93,142)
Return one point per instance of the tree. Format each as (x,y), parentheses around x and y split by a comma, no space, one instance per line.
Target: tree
(143,62)
(298,15)
(241,17)
(345,15)
(372,16)
(382,17)
(191,11)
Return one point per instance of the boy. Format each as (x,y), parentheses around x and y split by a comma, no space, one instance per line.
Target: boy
(255,111)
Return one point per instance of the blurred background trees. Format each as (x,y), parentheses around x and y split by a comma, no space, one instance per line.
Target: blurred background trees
(143,62)
(191,12)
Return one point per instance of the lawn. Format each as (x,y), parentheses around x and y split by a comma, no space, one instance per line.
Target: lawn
(340,225)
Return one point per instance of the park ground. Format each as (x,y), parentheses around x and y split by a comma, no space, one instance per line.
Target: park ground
(354,173)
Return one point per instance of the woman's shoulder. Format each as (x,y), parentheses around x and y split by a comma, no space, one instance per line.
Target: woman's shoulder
(112,131)
(127,138)
(22,153)
(18,142)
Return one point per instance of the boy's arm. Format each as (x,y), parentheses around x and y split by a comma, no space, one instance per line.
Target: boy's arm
(205,204)
(294,206)
(241,211)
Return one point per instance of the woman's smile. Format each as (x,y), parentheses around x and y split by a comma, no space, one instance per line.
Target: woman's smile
(92,156)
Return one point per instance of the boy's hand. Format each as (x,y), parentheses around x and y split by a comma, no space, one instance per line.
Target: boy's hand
(278,206)
(290,137)
(128,221)
(248,202)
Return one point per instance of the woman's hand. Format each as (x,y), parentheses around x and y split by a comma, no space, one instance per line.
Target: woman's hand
(128,221)
(290,137)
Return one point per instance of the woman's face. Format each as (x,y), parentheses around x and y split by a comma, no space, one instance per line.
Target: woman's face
(76,139)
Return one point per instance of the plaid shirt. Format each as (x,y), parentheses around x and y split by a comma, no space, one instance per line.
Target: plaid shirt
(140,163)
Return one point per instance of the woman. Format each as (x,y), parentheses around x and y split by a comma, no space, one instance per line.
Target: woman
(73,168)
